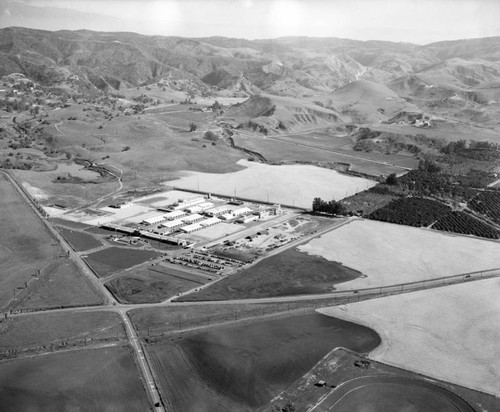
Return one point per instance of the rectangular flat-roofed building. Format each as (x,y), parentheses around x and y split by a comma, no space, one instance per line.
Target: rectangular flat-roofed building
(174,215)
(154,220)
(192,228)
(216,211)
(199,207)
(210,222)
(226,216)
(192,218)
(172,224)
(242,211)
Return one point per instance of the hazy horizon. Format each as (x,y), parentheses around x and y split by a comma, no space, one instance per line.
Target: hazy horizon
(418,22)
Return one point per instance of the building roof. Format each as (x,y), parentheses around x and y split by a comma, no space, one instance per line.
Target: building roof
(242,211)
(154,219)
(173,223)
(192,218)
(218,209)
(174,214)
(192,228)
(210,221)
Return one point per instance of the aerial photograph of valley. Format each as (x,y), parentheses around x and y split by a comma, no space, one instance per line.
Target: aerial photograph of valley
(250,205)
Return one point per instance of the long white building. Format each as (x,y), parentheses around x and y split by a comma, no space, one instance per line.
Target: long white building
(210,221)
(153,220)
(172,224)
(242,211)
(192,218)
(192,228)
(200,207)
(174,215)
(216,211)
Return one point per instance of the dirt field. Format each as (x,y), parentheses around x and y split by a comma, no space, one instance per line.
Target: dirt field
(287,273)
(84,380)
(242,368)
(113,259)
(43,329)
(450,333)
(80,241)
(290,185)
(25,245)
(151,285)
(220,230)
(64,286)
(391,254)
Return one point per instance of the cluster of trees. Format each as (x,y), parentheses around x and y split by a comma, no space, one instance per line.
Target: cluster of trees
(428,165)
(392,179)
(209,135)
(411,211)
(332,207)
(461,222)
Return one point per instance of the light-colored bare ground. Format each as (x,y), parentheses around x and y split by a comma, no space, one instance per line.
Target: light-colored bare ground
(219,230)
(289,184)
(390,254)
(450,333)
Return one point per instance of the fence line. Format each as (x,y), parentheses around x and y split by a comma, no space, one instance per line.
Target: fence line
(303,306)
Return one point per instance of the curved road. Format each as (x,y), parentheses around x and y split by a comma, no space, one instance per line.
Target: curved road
(333,401)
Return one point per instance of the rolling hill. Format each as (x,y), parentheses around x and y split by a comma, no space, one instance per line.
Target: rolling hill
(305,82)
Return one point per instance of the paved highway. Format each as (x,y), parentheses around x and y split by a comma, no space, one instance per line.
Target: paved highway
(110,301)
(143,363)
(141,358)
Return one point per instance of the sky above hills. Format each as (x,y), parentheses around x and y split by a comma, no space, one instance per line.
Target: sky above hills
(416,21)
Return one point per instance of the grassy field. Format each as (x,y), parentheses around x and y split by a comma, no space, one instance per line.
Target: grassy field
(25,244)
(244,367)
(277,151)
(153,285)
(85,380)
(110,260)
(392,254)
(147,148)
(287,273)
(80,241)
(460,345)
(63,286)
(43,329)
(289,184)
(69,223)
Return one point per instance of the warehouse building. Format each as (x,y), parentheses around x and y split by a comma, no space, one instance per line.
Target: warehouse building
(226,216)
(153,220)
(192,228)
(173,224)
(216,211)
(174,215)
(192,218)
(210,222)
(242,211)
(200,207)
